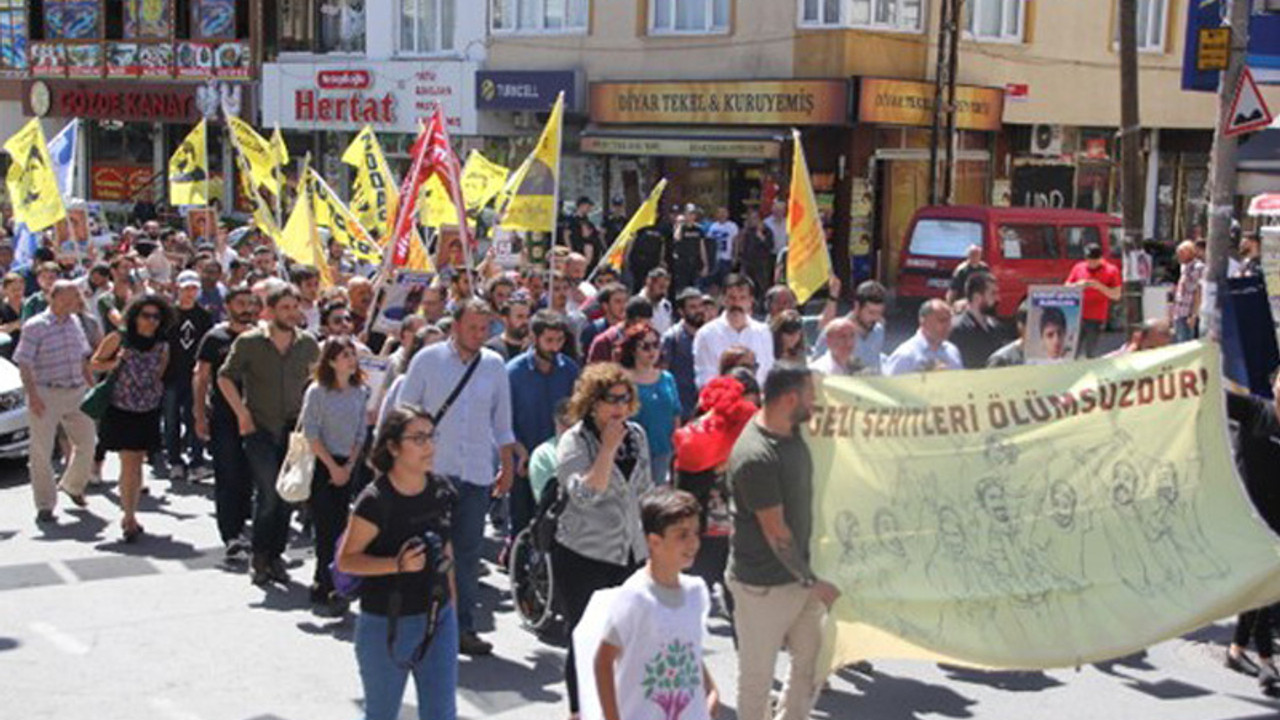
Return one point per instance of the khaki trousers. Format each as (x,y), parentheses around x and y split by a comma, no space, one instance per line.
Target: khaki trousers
(766,619)
(61,407)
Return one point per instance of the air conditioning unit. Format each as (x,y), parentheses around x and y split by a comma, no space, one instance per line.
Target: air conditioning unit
(1046,140)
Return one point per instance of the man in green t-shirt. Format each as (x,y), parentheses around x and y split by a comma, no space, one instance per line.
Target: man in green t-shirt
(779,599)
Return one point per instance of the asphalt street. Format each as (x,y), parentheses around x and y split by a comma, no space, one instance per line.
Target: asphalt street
(93,628)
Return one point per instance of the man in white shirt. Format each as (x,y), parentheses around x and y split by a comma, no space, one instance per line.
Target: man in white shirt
(724,233)
(656,284)
(928,349)
(777,224)
(838,360)
(734,327)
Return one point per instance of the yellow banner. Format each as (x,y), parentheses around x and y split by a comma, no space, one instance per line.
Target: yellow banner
(532,206)
(908,102)
(1033,517)
(331,213)
(189,169)
(730,102)
(808,263)
(33,188)
(300,239)
(259,154)
(646,215)
(374,197)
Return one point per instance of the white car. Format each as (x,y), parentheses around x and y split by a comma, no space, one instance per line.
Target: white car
(14,433)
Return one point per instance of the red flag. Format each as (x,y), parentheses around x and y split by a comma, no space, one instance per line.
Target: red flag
(432,155)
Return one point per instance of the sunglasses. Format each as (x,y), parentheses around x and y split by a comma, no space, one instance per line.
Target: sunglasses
(617,398)
(149,316)
(648,346)
(420,438)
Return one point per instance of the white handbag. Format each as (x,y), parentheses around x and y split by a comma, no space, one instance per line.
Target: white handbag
(293,484)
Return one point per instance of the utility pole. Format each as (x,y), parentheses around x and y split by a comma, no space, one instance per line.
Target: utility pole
(943,96)
(953,65)
(1131,186)
(1222,174)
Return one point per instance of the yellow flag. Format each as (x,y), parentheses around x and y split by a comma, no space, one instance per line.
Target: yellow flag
(645,216)
(419,259)
(281,153)
(299,240)
(263,216)
(532,206)
(808,265)
(189,170)
(482,179)
(331,213)
(374,197)
(259,154)
(33,188)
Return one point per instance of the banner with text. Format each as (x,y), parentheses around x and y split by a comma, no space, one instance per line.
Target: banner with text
(1033,517)
(727,102)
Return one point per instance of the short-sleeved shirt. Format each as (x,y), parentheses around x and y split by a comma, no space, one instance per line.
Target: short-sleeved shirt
(1096,305)
(55,349)
(659,408)
(34,305)
(768,470)
(975,339)
(190,328)
(542,467)
(272,383)
(213,349)
(960,277)
(399,518)
(329,415)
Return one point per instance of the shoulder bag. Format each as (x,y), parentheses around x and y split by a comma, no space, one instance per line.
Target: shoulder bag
(293,484)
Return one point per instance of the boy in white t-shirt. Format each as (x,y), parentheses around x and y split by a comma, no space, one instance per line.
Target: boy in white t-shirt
(649,665)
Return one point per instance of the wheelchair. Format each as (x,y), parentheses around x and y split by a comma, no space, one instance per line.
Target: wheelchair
(530,571)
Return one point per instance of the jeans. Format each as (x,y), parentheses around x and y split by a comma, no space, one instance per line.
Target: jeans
(180,426)
(330,505)
(232,483)
(1183,330)
(265,453)
(435,678)
(468,538)
(1090,333)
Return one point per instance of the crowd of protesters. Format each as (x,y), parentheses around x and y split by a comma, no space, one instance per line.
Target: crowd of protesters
(663,401)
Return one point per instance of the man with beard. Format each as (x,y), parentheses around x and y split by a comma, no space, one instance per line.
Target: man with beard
(779,600)
(216,424)
(867,314)
(514,338)
(263,381)
(734,327)
(677,349)
(976,333)
(539,378)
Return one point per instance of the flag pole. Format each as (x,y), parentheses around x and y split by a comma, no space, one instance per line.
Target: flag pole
(280,180)
(555,199)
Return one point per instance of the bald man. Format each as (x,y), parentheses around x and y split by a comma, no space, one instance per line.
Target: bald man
(928,349)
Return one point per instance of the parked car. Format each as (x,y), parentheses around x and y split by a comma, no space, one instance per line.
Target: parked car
(1023,246)
(15,436)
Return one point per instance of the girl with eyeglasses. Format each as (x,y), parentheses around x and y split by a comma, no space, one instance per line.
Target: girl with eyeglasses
(603,467)
(138,356)
(330,409)
(659,412)
(383,545)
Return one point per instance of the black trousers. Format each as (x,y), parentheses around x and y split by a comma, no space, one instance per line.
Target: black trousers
(330,505)
(576,579)
(1255,624)
(232,483)
(521,506)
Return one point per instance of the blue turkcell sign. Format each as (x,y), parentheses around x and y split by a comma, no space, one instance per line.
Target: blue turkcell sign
(524,90)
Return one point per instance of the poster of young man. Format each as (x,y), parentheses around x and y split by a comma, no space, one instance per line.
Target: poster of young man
(1053,323)
(401,297)
(202,224)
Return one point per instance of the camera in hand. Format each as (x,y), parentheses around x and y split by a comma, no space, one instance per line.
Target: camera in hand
(438,563)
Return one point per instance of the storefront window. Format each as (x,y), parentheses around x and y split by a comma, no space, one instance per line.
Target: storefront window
(994,19)
(688,16)
(426,26)
(13,35)
(342,26)
(540,15)
(881,14)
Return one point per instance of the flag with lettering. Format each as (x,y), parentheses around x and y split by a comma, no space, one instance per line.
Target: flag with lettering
(331,213)
(374,197)
(808,264)
(189,169)
(33,188)
(531,205)
(259,154)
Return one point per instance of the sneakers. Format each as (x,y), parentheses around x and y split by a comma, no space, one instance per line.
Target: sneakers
(277,571)
(259,570)
(199,472)
(237,550)
(471,645)
(46,517)
(177,473)
(331,606)
(1242,664)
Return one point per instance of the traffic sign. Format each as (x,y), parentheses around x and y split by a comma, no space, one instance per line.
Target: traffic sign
(1249,110)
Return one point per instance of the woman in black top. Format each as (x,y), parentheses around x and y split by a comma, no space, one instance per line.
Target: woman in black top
(11,311)
(396,541)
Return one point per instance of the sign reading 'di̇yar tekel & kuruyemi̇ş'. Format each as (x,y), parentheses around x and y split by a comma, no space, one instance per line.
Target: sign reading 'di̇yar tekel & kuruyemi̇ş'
(734,102)
(390,96)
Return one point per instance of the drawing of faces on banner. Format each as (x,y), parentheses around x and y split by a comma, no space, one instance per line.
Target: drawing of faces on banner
(147,19)
(71,20)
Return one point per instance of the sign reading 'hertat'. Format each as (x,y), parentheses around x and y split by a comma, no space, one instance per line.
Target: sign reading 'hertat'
(746,102)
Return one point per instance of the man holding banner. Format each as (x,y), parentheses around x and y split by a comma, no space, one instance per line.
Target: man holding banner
(779,600)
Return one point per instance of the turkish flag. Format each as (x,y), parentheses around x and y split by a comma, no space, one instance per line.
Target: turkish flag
(432,155)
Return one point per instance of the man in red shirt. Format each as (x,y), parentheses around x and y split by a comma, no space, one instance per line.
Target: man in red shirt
(1101,282)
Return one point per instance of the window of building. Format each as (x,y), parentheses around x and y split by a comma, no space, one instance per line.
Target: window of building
(1152,21)
(999,20)
(13,35)
(688,16)
(341,25)
(905,15)
(296,31)
(426,26)
(540,15)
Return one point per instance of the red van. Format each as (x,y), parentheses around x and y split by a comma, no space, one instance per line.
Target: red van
(1023,246)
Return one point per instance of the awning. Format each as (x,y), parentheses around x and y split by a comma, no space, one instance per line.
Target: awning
(1265,205)
(682,142)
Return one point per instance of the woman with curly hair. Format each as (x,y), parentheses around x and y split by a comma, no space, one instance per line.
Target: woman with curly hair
(659,399)
(788,337)
(603,467)
(138,356)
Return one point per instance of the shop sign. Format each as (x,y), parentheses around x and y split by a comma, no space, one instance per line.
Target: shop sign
(120,182)
(734,102)
(906,102)
(1044,186)
(524,90)
(390,96)
(679,147)
(106,100)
